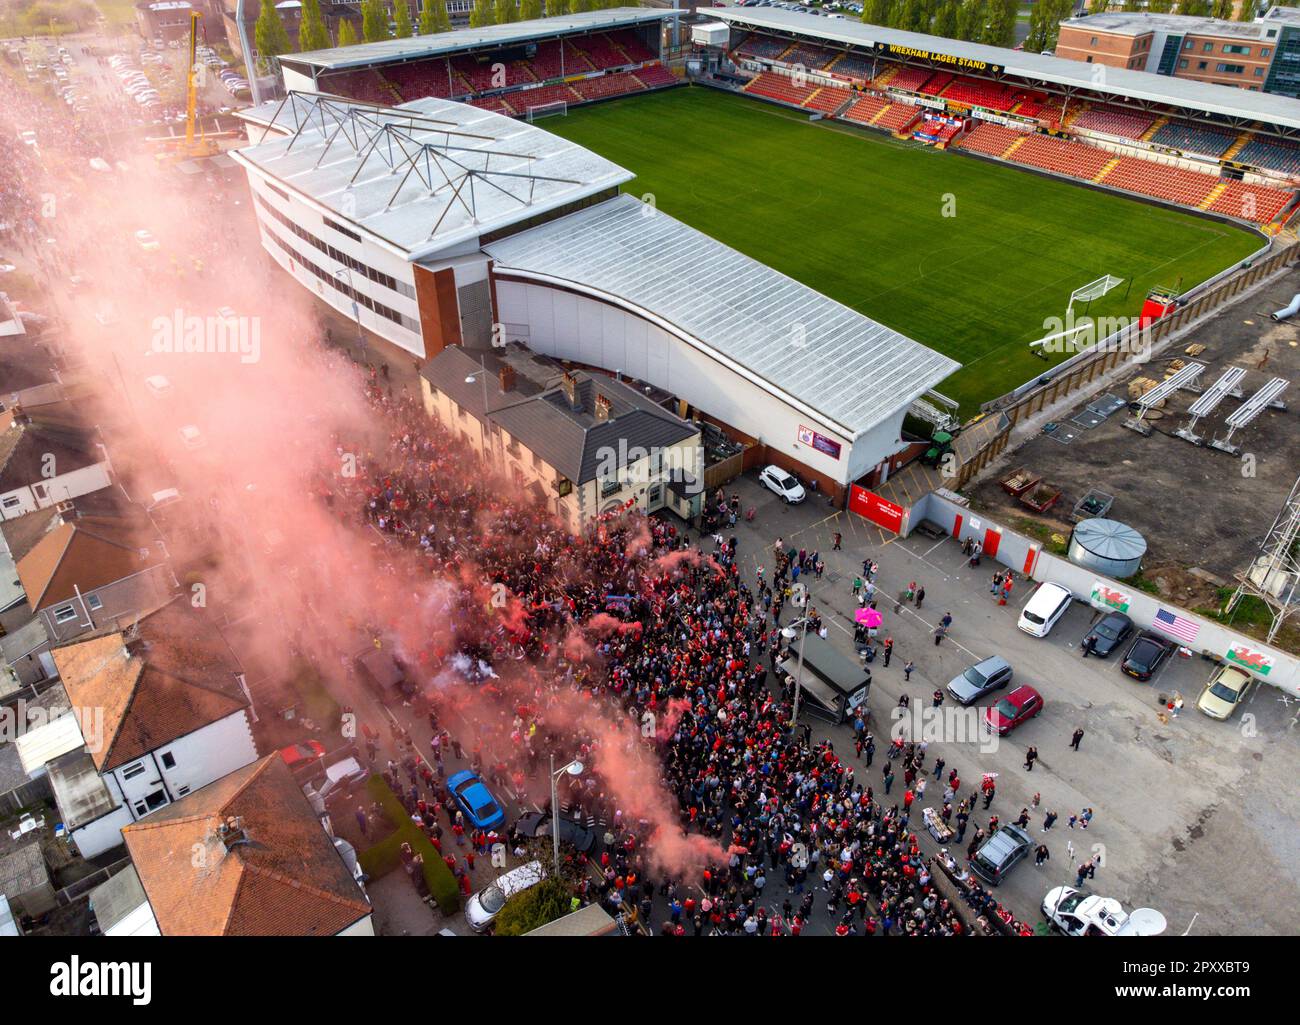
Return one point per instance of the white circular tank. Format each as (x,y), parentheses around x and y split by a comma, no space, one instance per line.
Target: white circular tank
(1108,547)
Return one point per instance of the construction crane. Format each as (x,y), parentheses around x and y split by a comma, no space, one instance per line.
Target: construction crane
(196,143)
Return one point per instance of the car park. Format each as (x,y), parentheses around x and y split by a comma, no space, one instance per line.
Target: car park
(982,678)
(1224,691)
(1000,853)
(776,479)
(1044,609)
(484,906)
(1020,705)
(1108,634)
(475,800)
(1145,655)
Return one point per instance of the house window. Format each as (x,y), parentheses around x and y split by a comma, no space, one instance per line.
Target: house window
(1243,50)
(39,491)
(1201,65)
(1208,48)
(1182,64)
(93,603)
(609,487)
(156,800)
(182,791)
(12,502)
(1089,58)
(169,761)
(1264,52)
(1231,69)
(1093,43)
(64,613)
(1259,72)
(131,771)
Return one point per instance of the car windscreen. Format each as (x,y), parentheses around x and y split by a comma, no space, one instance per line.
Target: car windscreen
(1106,630)
(1144,655)
(1006,709)
(974,677)
(486,810)
(1223,692)
(1033,617)
(492,899)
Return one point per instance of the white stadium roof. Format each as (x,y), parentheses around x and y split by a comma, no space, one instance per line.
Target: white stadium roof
(365,54)
(1143,86)
(421,176)
(833,360)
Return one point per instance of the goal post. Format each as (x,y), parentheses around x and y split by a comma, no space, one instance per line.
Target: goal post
(556,108)
(1093,290)
(1068,329)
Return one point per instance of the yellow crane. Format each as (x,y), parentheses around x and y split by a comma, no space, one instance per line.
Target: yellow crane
(196,143)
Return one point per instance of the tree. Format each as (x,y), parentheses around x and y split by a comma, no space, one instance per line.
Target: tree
(1223,9)
(481,14)
(434,17)
(971,18)
(347,34)
(910,16)
(272,40)
(312,33)
(374,21)
(506,12)
(1195,8)
(530,10)
(401,19)
(1247,11)
(1000,29)
(532,908)
(579,6)
(1102,6)
(876,12)
(945,20)
(1160,6)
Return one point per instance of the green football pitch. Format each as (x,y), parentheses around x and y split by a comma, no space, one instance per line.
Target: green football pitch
(969,257)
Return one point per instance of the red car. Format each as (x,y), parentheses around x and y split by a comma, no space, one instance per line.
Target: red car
(1022,703)
(297,755)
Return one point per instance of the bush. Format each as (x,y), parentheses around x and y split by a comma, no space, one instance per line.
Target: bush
(385,856)
(533,908)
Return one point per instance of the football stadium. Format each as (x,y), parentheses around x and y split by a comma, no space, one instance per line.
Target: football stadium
(800,229)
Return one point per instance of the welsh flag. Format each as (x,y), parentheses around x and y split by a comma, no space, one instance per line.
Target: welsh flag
(1248,658)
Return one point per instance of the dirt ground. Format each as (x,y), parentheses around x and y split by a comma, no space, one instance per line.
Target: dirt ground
(1203,512)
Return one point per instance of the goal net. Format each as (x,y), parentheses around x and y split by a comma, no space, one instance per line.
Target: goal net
(541,110)
(1094,289)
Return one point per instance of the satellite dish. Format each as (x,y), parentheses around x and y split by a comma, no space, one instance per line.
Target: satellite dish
(1144,922)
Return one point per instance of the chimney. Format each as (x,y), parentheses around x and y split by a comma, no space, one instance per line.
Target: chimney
(602,408)
(506,376)
(231,831)
(570,385)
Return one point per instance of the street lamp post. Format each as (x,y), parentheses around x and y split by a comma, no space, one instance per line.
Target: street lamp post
(356,309)
(798,678)
(574,768)
(482,375)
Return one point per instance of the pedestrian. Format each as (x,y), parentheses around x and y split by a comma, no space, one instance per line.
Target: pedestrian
(1072,820)
(1030,756)
(1034,801)
(1041,854)
(1088,644)
(988,797)
(363,822)
(996,585)
(857,586)
(889,779)
(920,595)
(908,666)
(938,768)
(1081,873)
(888,650)
(939,631)
(836,546)
(1023,819)
(946,622)
(1078,736)
(937,698)
(1085,817)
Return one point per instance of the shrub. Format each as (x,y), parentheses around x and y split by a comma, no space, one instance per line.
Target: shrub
(384,856)
(533,908)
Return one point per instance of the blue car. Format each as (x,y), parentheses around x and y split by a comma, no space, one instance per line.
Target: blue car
(476,801)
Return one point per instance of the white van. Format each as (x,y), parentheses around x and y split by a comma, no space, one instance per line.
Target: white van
(484,906)
(1042,611)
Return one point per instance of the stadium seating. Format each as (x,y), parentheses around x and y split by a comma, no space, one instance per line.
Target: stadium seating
(544,94)
(1041,108)
(575,60)
(990,139)
(1183,135)
(1272,154)
(493,103)
(935,133)
(865,110)
(827,99)
(616,84)
(601,52)
(630,43)
(908,79)
(1113,121)
(763,47)
(992,95)
(1256,203)
(779,87)
(852,65)
(481,76)
(813,58)
(655,76)
(1173,184)
(546,61)
(936,83)
(896,116)
(426,78)
(368,86)
(1069,158)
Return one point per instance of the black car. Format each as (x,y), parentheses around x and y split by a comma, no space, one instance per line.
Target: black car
(1146,656)
(1000,853)
(1107,635)
(537,825)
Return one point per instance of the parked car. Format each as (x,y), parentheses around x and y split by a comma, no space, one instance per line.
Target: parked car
(342,779)
(1044,609)
(776,479)
(1108,634)
(537,825)
(191,437)
(1224,691)
(1021,704)
(145,240)
(298,755)
(484,906)
(476,800)
(1075,913)
(158,384)
(983,677)
(1000,853)
(1145,656)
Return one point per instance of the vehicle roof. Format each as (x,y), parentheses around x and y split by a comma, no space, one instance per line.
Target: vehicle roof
(1226,671)
(1022,694)
(1002,844)
(460,778)
(991,663)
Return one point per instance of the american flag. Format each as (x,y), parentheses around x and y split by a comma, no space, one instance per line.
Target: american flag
(1177,626)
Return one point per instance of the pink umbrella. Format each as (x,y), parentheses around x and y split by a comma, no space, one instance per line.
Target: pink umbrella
(868,617)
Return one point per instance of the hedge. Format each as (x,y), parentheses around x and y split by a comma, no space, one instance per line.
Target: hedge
(385,856)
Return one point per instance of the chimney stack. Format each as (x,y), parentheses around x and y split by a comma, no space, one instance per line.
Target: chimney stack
(602,408)
(570,385)
(506,376)
(231,831)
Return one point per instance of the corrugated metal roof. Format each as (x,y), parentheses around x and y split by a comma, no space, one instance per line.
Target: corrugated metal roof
(40,746)
(487,170)
(1223,100)
(847,367)
(442,44)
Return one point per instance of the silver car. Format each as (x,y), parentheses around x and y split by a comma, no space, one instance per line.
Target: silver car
(993,673)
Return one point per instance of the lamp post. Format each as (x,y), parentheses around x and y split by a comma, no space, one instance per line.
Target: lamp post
(356,309)
(482,375)
(574,768)
(800,599)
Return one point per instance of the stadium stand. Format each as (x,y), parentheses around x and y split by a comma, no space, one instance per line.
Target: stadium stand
(1205,139)
(764,47)
(628,41)
(546,61)
(617,84)
(368,86)
(1069,158)
(897,116)
(1256,203)
(493,103)
(1041,108)
(908,79)
(601,52)
(812,57)
(481,77)
(866,110)
(935,133)
(828,99)
(990,139)
(1271,154)
(540,96)
(992,95)
(1174,184)
(779,87)
(851,65)
(655,76)
(935,84)
(426,78)
(1113,121)
(575,60)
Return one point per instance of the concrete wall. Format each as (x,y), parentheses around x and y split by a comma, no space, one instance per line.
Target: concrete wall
(1027,558)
